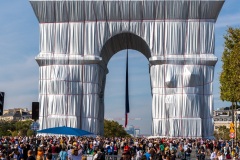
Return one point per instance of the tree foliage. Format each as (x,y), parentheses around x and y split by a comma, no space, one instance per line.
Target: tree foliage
(6,128)
(14,128)
(23,127)
(222,133)
(30,132)
(114,129)
(230,75)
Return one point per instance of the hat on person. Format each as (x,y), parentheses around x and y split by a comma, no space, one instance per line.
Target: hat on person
(75,143)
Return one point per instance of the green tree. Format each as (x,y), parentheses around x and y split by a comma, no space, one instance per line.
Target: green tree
(114,129)
(30,132)
(230,77)
(14,128)
(23,126)
(14,133)
(6,128)
(222,133)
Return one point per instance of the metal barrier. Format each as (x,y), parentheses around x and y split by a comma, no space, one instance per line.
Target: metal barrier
(113,157)
(89,157)
(107,157)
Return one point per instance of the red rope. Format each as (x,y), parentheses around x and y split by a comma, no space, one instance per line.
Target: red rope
(126,20)
(70,115)
(184,52)
(51,70)
(169,54)
(82,65)
(184,118)
(164,55)
(68,68)
(72,94)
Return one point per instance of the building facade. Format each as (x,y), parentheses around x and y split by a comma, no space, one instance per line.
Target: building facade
(223,117)
(16,114)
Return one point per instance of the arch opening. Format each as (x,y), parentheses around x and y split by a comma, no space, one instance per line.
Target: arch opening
(121,41)
(115,47)
(140,98)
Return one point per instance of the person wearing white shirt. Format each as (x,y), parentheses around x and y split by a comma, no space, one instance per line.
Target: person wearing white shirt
(214,154)
(185,146)
(77,155)
(139,154)
(95,155)
(69,152)
(220,155)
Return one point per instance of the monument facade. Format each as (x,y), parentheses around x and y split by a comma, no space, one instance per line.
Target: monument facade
(79,37)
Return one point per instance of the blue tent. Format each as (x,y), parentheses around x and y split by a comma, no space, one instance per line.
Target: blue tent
(65,131)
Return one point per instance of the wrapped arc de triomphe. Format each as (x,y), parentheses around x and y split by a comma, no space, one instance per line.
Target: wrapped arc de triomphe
(79,37)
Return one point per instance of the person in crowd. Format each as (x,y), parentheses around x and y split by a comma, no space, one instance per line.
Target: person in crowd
(30,155)
(173,155)
(162,147)
(181,154)
(49,156)
(167,150)
(95,155)
(236,157)
(84,158)
(139,154)
(228,155)
(220,155)
(2,156)
(8,152)
(76,155)
(22,152)
(188,153)
(126,150)
(109,148)
(12,147)
(214,154)
(115,149)
(101,154)
(55,151)
(40,154)
(200,153)
(63,155)
(148,155)
(70,151)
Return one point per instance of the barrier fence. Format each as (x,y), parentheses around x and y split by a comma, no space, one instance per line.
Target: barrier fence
(107,157)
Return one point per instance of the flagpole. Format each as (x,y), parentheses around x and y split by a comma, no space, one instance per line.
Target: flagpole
(126,93)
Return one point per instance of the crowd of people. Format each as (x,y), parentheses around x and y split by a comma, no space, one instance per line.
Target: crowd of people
(99,148)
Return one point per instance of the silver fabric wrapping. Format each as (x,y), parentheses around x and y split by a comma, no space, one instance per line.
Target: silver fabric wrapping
(78,38)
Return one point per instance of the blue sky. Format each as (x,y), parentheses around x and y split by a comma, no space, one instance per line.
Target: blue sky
(19,45)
